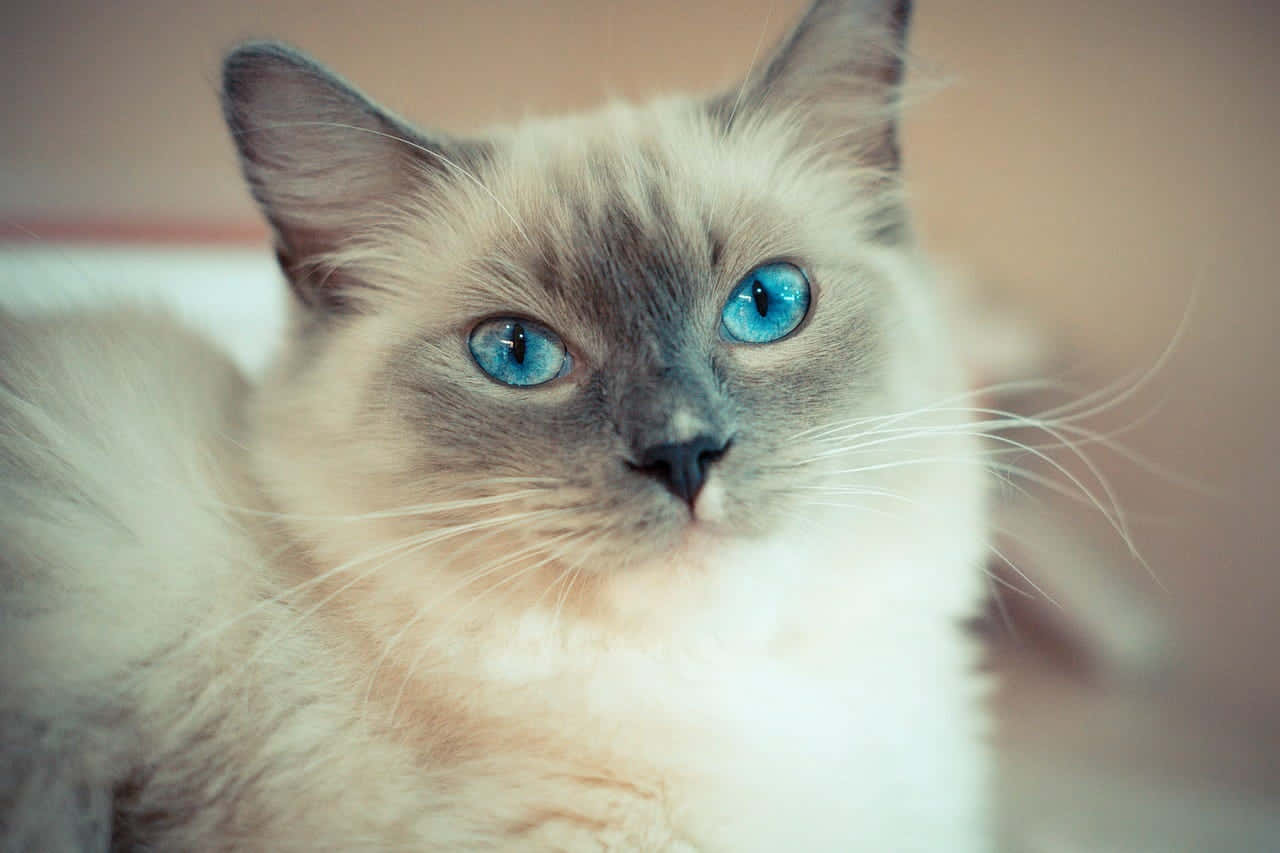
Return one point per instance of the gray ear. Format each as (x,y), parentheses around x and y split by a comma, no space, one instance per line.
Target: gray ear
(322,160)
(838,73)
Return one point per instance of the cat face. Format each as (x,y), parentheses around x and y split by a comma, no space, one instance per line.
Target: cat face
(630,264)
(619,343)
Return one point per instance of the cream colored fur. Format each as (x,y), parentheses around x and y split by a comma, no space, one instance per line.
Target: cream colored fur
(264,618)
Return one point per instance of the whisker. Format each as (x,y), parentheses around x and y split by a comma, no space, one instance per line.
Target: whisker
(469,578)
(991,547)
(1003,419)
(994,594)
(400,512)
(995,580)
(1116,517)
(1020,573)
(409,544)
(1161,362)
(1112,518)
(751,67)
(412,669)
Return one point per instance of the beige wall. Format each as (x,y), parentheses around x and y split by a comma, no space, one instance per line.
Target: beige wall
(1100,159)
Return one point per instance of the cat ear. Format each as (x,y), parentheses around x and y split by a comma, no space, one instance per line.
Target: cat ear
(323,161)
(838,74)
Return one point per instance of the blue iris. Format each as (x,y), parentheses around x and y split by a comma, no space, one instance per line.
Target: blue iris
(518,352)
(767,304)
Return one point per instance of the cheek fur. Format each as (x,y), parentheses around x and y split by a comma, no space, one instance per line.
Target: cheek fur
(466,437)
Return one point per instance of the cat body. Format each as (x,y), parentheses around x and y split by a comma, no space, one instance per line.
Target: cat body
(384,600)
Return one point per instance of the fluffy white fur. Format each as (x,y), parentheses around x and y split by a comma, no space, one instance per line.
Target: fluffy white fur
(838,713)
(215,637)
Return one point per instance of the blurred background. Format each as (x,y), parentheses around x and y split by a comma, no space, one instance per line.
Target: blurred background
(1100,174)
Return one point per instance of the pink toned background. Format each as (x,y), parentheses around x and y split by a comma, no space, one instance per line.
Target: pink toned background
(1098,161)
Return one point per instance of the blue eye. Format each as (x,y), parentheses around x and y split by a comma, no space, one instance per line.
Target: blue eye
(767,304)
(518,352)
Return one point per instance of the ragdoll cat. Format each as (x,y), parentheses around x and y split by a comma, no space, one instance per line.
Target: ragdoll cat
(614,491)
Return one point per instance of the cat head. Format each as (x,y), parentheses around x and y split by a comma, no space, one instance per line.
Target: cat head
(619,345)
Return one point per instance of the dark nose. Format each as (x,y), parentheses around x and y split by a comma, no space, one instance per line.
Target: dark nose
(682,466)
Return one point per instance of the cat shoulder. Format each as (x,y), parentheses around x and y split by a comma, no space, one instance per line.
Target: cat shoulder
(118,459)
(120,470)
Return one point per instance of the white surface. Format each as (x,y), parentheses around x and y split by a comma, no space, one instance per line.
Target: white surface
(236,296)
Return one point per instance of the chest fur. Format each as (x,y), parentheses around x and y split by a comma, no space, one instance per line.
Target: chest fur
(836,751)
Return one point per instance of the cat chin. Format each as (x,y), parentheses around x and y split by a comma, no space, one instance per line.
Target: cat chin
(701,546)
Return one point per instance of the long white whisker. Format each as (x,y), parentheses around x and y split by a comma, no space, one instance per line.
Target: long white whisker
(408,545)
(1111,518)
(400,512)
(1119,520)
(1020,573)
(409,674)
(897,516)
(751,67)
(1146,378)
(469,578)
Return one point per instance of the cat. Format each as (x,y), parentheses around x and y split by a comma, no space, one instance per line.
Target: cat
(614,490)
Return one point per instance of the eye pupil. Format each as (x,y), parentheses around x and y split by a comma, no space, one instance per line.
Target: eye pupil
(761,297)
(518,343)
(517,352)
(767,305)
